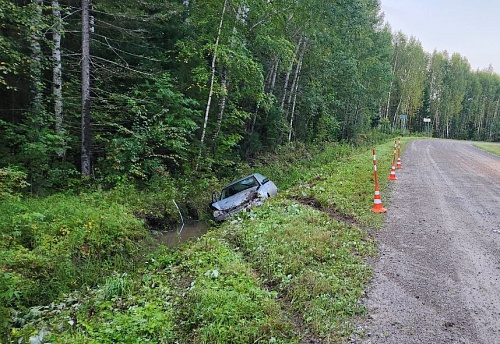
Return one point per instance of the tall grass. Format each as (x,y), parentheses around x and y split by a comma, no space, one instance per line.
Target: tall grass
(290,271)
(64,242)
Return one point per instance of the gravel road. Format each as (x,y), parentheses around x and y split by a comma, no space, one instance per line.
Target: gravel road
(437,277)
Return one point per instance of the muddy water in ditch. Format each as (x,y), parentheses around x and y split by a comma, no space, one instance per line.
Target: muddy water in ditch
(177,236)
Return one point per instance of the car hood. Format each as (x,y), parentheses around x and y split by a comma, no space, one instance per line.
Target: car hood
(236,200)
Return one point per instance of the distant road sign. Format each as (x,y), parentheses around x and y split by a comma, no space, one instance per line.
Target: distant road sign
(403,117)
(427,120)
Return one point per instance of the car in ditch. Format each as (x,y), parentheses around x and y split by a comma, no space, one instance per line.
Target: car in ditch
(242,194)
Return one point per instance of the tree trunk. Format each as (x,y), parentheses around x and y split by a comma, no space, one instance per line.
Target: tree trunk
(36,65)
(270,82)
(85,144)
(269,74)
(186,4)
(254,119)
(391,85)
(224,84)
(222,106)
(57,76)
(274,75)
(436,123)
(394,119)
(287,78)
(292,115)
(212,78)
(493,121)
(296,76)
(295,88)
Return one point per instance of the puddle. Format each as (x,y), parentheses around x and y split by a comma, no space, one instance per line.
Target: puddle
(175,237)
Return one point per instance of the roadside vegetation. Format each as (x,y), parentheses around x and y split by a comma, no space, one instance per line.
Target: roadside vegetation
(85,270)
(489,147)
(116,114)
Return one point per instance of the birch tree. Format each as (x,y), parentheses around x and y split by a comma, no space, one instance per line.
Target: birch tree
(36,61)
(455,81)
(85,61)
(213,71)
(409,78)
(57,75)
(436,83)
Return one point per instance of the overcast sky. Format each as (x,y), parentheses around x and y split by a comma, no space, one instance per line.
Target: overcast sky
(468,27)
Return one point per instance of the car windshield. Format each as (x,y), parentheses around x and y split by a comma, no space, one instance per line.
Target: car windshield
(239,186)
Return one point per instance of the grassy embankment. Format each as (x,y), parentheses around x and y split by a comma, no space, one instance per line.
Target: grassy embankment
(489,147)
(290,270)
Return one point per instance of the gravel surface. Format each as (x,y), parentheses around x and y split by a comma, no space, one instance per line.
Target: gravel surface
(437,277)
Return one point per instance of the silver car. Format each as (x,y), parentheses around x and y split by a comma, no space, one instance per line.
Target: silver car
(242,194)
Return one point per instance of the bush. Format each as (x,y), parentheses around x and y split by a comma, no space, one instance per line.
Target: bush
(74,242)
(11,182)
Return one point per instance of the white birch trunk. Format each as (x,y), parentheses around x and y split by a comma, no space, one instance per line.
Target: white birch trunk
(212,78)
(295,88)
(36,62)
(274,75)
(296,75)
(222,106)
(292,115)
(224,83)
(269,75)
(57,74)
(85,126)
(287,78)
(390,87)
(493,121)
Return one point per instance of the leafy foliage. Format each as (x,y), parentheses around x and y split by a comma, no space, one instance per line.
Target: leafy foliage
(12,181)
(277,81)
(281,71)
(74,243)
(155,138)
(283,273)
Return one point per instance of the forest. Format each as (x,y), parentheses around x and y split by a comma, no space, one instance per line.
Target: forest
(121,91)
(109,110)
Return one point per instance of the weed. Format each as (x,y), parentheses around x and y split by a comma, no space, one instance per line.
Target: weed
(116,286)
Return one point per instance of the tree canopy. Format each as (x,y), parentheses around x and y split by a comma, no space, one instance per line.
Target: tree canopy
(181,86)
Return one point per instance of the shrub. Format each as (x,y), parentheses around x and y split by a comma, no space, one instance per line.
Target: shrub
(63,242)
(11,182)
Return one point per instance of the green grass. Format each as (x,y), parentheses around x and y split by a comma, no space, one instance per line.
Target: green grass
(347,186)
(489,147)
(290,271)
(312,261)
(295,163)
(55,245)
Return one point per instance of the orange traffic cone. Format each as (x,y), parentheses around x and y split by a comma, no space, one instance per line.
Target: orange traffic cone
(399,164)
(392,176)
(377,201)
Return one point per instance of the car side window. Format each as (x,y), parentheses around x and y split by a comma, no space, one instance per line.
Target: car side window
(238,187)
(250,182)
(227,192)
